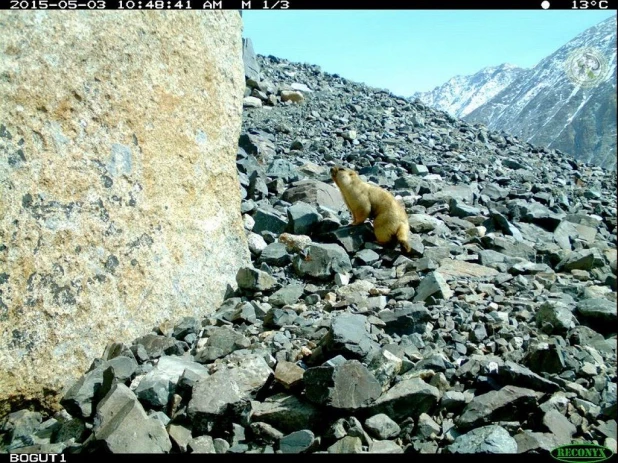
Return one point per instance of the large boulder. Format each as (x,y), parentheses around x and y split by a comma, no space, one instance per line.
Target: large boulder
(119,195)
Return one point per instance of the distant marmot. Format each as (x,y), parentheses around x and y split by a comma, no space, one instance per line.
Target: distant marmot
(365,201)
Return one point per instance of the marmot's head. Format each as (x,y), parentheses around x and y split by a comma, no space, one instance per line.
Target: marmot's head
(342,175)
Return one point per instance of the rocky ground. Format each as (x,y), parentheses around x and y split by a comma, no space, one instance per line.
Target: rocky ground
(496,335)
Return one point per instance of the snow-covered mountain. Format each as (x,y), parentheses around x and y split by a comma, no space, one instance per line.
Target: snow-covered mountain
(567,101)
(463,94)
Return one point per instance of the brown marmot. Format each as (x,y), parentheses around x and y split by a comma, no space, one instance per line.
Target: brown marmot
(365,201)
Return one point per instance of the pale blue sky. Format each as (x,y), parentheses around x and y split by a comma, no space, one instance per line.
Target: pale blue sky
(413,50)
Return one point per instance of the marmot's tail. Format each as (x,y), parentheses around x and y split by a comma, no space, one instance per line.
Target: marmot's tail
(402,237)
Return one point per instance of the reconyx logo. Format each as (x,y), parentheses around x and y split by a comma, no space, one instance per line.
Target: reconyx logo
(581,453)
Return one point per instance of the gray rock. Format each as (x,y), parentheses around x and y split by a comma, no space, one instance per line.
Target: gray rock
(382,427)
(408,398)
(349,444)
(453,401)
(287,295)
(297,442)
(578,260)
(155,389)
(249,58)
(488,439)
(81,398)
(518,375)
(322,261)
(347,386)
(202,444)
(385,367)
(254,279)
(156,345)
(287,413)
(269,220)
(275,254)
(315,193)
(423,223)
(212,395)
(508,403)
(554,318)
(347,336)
(598,313)
(367,256)
(222,341)
(352,238)
(302,218)
(412,318)
(427,427)
(540,442)
(181,436)
(384,447)
(433,285)
(545,357)
(122,426)
(20,426)
(251,102)
(560,426)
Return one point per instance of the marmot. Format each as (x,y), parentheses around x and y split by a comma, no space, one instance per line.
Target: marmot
(390,220)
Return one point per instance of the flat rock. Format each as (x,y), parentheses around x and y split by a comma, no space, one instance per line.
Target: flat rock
(382,427)
(488,439)
(506,404)
(122,426)
(408,398)
(457,268)
(347,386)
(433,285)
(254,279)
(322,261)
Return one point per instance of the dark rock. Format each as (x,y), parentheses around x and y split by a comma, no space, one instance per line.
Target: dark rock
(286,295)
(122,426)
(269,220)
(249,58)
(275,254)
(433,285)
(554,318)
(302,218)
(488,439)
(410,319)
(347,386)
(288,413)
(221,342)
(517,375)
(382,427)
(156,345)
(508,403)
(408,398)
(212,395)
(315,193)
(598,313)
(322,261)
(347,336)
(297,442)
(201,444)
(254,279)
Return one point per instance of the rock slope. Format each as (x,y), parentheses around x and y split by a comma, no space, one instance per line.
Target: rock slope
(495,335)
